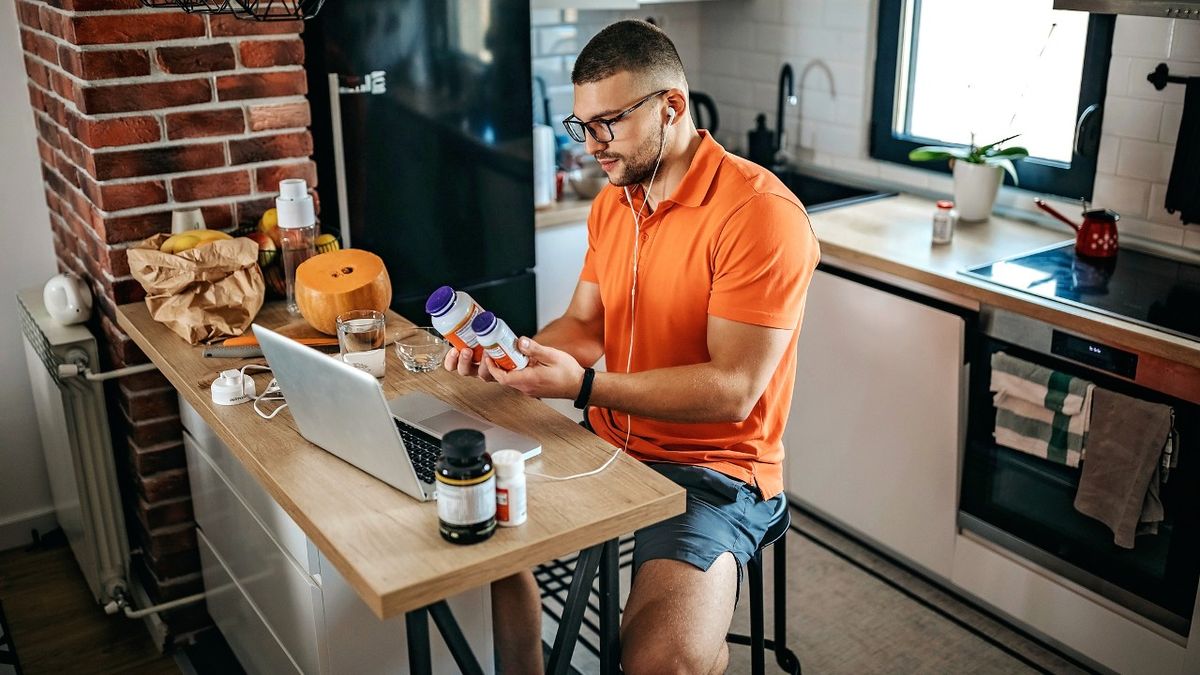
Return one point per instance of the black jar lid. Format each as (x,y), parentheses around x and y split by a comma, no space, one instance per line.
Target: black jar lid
(463,444)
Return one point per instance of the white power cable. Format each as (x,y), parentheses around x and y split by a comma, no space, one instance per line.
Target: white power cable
(271,394)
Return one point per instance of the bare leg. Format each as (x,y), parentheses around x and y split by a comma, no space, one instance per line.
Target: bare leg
(517,623)
(677,616)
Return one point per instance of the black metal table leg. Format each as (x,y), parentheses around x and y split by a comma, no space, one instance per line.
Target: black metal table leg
(577,598)
(610,606)
(416,624)
(443,618)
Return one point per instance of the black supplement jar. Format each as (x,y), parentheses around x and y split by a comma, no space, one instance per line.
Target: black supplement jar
(466,488)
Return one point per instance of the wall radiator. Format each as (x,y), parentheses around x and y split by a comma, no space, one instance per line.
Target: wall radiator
(73,420)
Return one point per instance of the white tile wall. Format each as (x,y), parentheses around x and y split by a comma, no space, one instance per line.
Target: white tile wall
(733,50)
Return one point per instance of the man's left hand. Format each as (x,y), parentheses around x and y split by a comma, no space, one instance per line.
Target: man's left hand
(551,373)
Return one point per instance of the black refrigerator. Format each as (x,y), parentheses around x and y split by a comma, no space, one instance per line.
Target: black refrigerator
(422,138)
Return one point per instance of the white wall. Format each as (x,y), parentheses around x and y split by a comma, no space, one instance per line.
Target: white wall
(28,260)
(746,41)
(733,50)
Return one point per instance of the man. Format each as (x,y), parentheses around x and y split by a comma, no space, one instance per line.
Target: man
(700,347)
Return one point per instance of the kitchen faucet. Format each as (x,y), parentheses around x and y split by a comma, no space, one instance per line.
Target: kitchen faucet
(787,77)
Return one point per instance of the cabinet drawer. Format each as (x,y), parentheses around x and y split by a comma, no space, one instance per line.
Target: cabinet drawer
(244,629)
(278,586)
(274,519)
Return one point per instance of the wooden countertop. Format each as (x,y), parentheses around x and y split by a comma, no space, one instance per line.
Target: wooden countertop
(570,209)
(892,236)
(385,543)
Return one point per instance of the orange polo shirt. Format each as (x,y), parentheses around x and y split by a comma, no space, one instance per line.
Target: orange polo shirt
(731,242)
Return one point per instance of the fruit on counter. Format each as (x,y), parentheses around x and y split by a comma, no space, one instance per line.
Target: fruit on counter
(329,284)
(268,224)
(268,252)
(326,243)
(276,283)
(178,243)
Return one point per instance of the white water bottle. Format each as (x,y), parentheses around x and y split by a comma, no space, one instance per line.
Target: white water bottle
(543,166)
(297,231)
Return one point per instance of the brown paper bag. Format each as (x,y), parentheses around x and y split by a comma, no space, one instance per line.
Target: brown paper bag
(209,292)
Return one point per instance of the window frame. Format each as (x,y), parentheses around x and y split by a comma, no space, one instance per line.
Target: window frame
(1074,181)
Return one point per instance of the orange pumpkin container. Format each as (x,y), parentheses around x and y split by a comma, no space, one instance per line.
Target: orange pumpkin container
(329,284)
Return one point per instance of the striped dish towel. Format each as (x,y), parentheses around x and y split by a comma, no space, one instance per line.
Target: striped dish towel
(1040,411)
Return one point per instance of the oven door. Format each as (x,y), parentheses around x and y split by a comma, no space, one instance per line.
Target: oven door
(1026,504)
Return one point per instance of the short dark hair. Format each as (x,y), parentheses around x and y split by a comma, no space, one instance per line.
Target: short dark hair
(634,46)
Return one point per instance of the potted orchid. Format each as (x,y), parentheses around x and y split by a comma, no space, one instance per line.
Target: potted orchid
(978,172)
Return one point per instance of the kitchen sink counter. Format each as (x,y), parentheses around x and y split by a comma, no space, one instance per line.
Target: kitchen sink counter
(892,236)
(570,209)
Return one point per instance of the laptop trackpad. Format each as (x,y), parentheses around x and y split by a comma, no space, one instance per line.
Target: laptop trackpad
(450,420)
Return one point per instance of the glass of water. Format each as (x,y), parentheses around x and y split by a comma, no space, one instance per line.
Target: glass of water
(361,335)
(421,349)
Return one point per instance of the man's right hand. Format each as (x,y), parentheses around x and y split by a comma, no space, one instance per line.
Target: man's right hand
(459,360)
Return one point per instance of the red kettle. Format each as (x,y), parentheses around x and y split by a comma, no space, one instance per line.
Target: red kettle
(1097,237)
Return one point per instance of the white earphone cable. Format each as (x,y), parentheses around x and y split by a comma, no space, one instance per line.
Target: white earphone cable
(637,234)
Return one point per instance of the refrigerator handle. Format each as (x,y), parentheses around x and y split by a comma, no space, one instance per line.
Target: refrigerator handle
(339,157)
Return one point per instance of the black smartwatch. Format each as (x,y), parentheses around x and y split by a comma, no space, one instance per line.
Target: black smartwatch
(585,389)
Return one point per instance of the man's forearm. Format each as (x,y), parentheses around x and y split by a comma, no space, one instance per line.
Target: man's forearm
(574,337)
(694,393)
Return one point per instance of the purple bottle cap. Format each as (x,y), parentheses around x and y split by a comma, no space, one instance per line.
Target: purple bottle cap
(439,301)
(483,323)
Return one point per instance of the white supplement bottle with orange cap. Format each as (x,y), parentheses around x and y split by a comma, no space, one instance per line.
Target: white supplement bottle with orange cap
(451,313)
(498,341)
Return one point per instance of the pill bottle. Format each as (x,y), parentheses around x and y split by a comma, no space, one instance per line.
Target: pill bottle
(297,232)
(451,313)
(498,341)
(510,488)
(944,220)
(466,488)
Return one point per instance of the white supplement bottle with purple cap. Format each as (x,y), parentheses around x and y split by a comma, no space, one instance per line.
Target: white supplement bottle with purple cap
(498,341)
(451,313)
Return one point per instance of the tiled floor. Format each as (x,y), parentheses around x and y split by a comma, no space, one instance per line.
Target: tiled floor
(851,611)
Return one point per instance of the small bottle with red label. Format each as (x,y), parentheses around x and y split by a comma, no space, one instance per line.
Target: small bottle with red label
(498,341)
(510,488)
(944,220)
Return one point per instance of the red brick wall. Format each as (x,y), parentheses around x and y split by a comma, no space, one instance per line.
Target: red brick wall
(139,112)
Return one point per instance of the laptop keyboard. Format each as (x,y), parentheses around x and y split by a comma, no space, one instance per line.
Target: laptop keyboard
(423,449)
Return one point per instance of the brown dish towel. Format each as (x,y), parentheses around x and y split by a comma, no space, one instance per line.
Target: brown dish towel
(1121,458)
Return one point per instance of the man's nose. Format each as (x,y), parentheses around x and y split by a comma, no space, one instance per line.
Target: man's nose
(593,146)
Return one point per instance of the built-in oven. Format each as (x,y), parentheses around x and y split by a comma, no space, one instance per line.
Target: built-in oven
(1025,504)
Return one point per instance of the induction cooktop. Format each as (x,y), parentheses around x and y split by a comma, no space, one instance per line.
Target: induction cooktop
(1147,289)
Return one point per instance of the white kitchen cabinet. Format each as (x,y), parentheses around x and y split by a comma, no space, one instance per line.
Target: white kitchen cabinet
(874,436)
(278,601)
(559,252)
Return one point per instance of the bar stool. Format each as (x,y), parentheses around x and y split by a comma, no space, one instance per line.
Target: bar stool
(786,658)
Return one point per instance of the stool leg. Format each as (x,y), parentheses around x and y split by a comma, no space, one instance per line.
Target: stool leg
(757,632)
(787,660)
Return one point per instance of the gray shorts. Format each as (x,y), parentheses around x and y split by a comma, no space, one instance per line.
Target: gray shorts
(723,514)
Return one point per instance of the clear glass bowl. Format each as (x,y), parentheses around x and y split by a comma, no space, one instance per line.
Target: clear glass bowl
(421,349)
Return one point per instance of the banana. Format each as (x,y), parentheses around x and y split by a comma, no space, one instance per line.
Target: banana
(178,243)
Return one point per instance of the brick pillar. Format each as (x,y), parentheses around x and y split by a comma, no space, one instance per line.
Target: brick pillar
(139,112)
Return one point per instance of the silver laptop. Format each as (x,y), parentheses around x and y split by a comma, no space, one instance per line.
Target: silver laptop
(343,410)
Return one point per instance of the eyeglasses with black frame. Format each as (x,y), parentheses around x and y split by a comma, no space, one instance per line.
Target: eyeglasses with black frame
(601,128)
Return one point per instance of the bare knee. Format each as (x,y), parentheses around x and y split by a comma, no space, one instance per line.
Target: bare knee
(669,657)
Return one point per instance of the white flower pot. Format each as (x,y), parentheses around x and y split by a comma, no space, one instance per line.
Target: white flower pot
(975,188)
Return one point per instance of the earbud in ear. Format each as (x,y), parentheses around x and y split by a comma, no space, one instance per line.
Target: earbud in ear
(671,114)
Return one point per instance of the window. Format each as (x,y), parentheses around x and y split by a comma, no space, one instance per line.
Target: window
(947,69)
